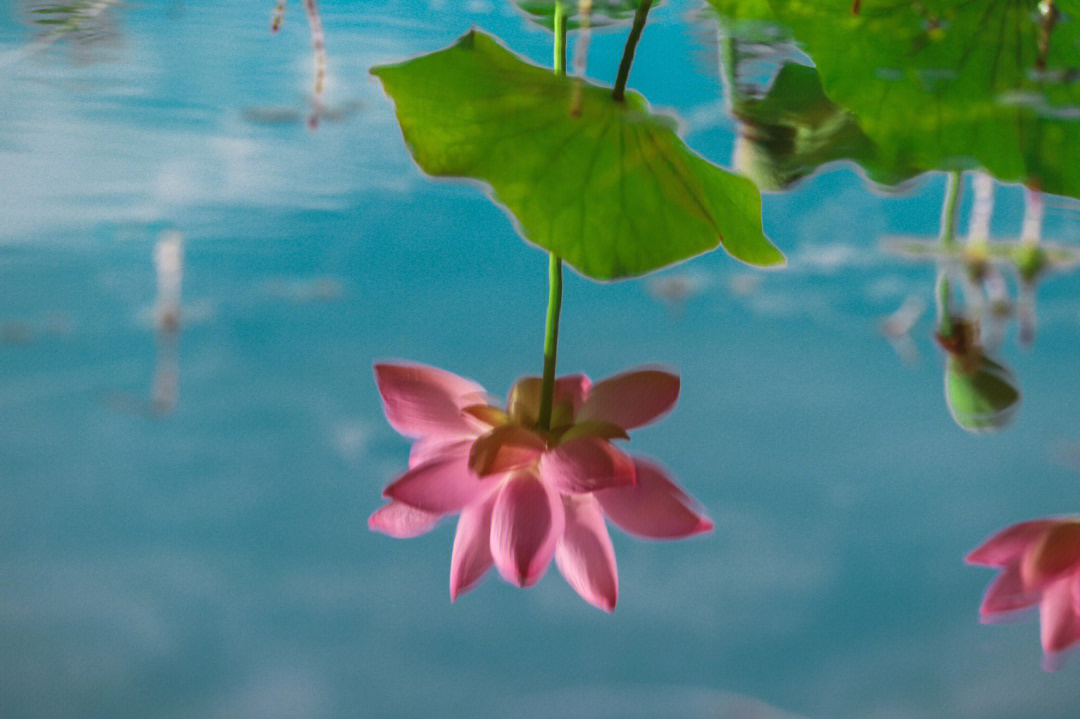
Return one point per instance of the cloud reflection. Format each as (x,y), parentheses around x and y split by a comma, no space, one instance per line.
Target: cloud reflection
(118,150)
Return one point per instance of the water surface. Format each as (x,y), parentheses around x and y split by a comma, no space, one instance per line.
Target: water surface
(211,557)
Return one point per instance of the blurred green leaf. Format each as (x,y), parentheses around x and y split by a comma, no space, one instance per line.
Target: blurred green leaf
(85,21)
(606,185)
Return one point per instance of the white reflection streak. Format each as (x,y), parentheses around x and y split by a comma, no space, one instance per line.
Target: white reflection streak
(982,209)
(987,289)
(169,261)
(1031,231)
(165,385)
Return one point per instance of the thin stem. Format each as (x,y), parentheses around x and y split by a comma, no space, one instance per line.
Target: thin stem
(551,326)
(943,295)
(628,52)
(560,39)
(318,45)
(551,339)
(950,209)
(278,16)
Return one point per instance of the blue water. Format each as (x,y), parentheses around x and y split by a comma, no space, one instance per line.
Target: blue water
(214,561)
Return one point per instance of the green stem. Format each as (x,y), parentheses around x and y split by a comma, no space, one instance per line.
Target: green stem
(551,339)
(942,295)
(551,326)
(628,52)
(951,209)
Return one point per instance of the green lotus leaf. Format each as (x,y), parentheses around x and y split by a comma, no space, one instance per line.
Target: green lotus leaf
(607,185)
(981,400)
(739,11)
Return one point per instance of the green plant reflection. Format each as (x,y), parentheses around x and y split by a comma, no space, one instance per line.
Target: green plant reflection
(946,84)
(788,129)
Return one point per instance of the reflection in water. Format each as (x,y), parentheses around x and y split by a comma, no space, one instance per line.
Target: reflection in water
(16,332)
(285,115)
(982,208)
(165,386)
(580,14)
(169,263)
(318,47)
(1030,265)
(318,289)
(278,17)
(641,702)
(23,331)
(896,328)
(980,260)
(787,127)
(744,284)
(941,86)
(675,288)
(1067,454)
(992,86)
(84,21)
(167,314)
(981,393)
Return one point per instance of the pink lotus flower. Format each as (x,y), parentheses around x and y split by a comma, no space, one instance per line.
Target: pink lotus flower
(1040,560)
(526,495)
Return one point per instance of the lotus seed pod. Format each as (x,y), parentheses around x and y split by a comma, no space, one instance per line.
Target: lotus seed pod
(982,400)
